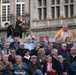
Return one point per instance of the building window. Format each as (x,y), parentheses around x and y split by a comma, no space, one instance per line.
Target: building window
(23,11)
(8,13)
(55,9)
(71,1)
(71,10)
(3,13)
(39,13)
(52,2)
(58,1)
(66,11)
(44,13)
(44,2)
(40,2)
(58,11)
(53,12)
(66,1)
(5,1)
(42,9)
(18,9)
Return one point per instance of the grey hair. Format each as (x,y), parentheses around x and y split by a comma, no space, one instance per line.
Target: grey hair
(54,50)
(64,44)
(65,25)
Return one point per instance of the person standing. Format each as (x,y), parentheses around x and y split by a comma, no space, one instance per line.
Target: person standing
(63,33)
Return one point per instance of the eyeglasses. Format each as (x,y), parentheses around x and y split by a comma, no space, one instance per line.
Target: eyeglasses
(41,37)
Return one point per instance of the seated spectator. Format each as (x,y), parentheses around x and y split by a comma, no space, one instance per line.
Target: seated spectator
(63,33)
(34,67)
(21,49)
(61,66)
(71,57)
(73,68)
(57,43)
(12,56)
(54,54)
(6,67)
(29,45)
(10,30)
(26,57)
(63,50)
(15,43)
(49,67)
(42,41)
(35,50)
(2,43)
(69,43)
(19,66)
(6,49)
(41,56)
(18,28)
(49,49)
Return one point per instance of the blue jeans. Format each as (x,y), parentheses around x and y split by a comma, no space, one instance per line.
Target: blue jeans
(6,72)
(37,72)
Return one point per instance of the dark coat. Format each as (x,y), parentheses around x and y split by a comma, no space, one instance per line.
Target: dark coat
(70,59)
(12,45)
(47,52)
(59,67)
(45,67)
(54,60)
(73,68)
(33,67)
(63,53)
(10,31)
(20,52)
(27,61)
(11,59)
(57,46)
(69,46)
(34,52)
(19,30)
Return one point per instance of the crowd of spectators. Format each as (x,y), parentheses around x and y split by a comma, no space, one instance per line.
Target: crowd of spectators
(38,57)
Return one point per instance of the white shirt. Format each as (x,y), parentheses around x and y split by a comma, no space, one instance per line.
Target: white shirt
(64,35)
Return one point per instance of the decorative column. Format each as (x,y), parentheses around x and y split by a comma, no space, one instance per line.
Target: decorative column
(13,12)
(27,6)
(74,11)
(62,13)
(75,8)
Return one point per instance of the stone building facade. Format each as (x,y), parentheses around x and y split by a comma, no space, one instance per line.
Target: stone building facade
(10,9)
(48,16)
